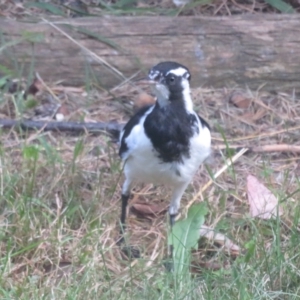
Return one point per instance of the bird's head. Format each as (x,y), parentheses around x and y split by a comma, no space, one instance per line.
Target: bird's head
(171,81)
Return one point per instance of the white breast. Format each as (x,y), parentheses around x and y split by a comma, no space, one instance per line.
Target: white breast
(199,151)
(142,163)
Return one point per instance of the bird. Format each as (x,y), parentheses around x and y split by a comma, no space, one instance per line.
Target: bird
(164,142)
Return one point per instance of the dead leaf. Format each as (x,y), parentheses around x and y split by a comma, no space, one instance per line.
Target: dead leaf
(35,87)
(252,117)
(240,100)
(263,204)
(260,113)
(249,116)
(220,239)
(142,100)
(146,209)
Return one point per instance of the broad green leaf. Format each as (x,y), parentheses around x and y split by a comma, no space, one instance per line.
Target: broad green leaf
(281,6)
(185,236)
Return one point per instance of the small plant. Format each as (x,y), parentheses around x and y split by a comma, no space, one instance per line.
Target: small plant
(184,237)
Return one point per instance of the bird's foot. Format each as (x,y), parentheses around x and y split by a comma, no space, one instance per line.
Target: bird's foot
(184,212)
(128,250)
(169,264)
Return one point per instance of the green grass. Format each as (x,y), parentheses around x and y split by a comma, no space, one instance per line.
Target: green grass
(59,212)
(140,8)
(56,246)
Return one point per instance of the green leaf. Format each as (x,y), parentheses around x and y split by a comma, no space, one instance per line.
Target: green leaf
(46,6)
(30,103)
(3,81)
(281,6)
(185,236)
(31,152)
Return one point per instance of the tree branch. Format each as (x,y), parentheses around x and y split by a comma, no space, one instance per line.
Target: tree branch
(112,128)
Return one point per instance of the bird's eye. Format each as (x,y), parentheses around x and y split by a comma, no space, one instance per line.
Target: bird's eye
(172,79)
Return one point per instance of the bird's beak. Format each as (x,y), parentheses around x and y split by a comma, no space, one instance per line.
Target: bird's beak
(146,81)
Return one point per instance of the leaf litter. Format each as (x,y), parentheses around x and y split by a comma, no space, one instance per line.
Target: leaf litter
(263,203)
(274,121)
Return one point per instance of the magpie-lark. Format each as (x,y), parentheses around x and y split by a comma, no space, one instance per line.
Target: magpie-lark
(165,142)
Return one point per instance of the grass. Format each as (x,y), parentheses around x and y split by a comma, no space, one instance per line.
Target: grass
(60,203)
(60,206)
(142,8)
(55,247)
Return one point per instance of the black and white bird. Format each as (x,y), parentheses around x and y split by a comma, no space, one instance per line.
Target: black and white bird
(166,142)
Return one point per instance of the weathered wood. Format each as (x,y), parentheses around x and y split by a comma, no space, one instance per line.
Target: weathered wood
(251,50)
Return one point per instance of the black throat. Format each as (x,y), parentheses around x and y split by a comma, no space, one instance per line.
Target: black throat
(170,128)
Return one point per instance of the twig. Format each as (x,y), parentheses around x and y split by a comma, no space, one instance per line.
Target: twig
(37,75)
(265,148)
(93,54)
(240,119)
(228,163)
(113,128)
(259,102)
(268,134)
(276,148)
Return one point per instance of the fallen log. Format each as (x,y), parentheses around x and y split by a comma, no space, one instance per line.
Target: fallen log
(247,50)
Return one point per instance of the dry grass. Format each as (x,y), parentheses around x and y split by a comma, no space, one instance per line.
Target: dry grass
(60,196)
(75,8)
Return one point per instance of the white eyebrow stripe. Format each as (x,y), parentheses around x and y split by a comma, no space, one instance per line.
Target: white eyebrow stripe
(153,74)
(178,72)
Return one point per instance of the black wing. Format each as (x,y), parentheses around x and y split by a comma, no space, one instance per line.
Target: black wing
(203,122)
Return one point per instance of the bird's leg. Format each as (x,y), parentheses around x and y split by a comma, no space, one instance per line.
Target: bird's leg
(124,199)
(172,219)
(129,251)
(172,222)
